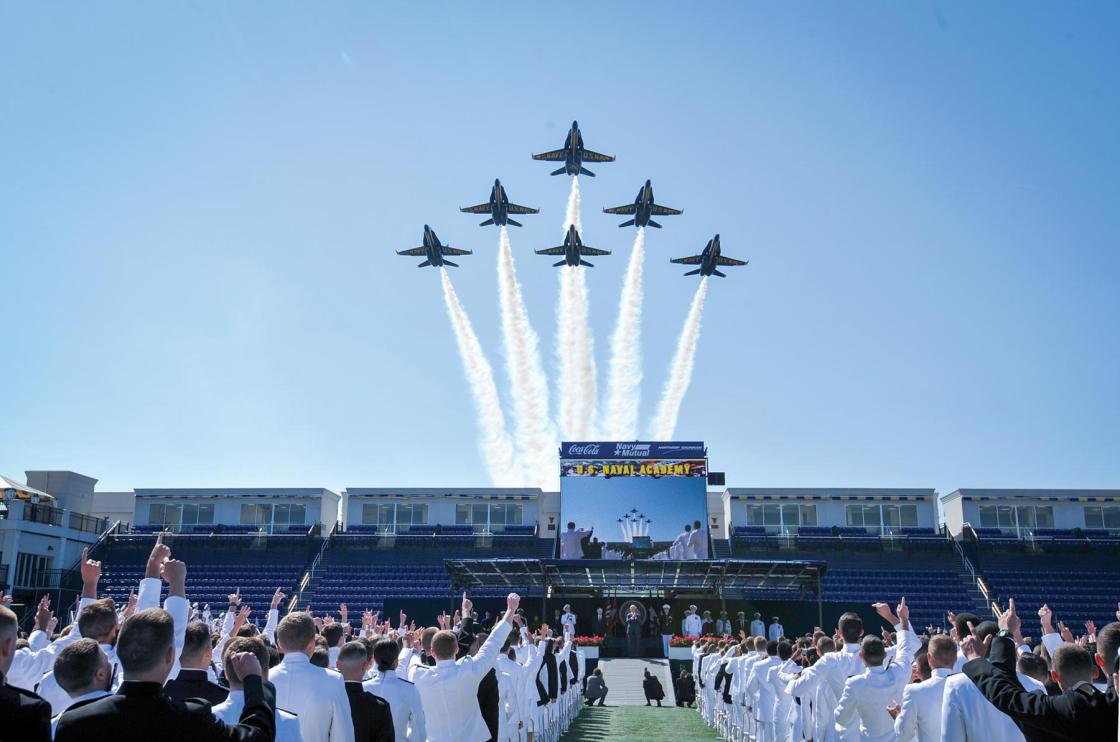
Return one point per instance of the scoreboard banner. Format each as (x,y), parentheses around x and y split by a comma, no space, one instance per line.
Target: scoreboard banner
(632,451)
(634,468)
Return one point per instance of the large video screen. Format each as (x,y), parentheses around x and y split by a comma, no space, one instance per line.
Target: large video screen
(632,491)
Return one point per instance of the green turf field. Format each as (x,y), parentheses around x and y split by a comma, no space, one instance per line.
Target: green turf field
(638,724)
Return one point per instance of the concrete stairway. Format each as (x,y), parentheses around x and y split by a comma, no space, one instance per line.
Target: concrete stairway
(624,680)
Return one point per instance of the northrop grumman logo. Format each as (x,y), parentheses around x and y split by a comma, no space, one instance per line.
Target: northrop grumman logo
(586,449)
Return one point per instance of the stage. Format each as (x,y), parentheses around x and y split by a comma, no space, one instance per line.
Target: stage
(641,578)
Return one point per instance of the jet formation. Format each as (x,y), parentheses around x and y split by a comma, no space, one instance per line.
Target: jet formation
(573,154)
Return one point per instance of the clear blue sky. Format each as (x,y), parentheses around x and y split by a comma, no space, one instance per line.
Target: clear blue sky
(199,204)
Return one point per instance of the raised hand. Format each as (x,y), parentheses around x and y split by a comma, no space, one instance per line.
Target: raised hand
(885,613)
(1067,635)
(404,618)
(245,664)
(91,575)
(903,612)
(133,599)
(467,605)
(343,614)
(277,598)
(240,619)
(235,598)
(972,647)
(174,573)
(43,614)
(1046,617)
(5,599)
(894,709)
(1091,627)
(160,554)
(1008,620)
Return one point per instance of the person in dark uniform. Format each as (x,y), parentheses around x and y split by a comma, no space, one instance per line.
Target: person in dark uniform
(488,695)
(141,712)
(633,623)
(652,688)
(23,715)
(685,689)
(599,623)
(193,682)
(373,719)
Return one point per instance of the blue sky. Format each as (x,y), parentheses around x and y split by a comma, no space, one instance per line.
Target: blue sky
(200,203)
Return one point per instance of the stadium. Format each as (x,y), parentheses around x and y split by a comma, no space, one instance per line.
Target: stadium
(802,555)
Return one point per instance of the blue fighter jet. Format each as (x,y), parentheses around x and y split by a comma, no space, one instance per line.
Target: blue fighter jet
(708,260)
(433,251)
(572,250)
(642,209)
(499,208)
(573,155)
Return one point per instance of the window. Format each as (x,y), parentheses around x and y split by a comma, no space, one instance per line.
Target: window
(782,518)
(1016,518)
(284,515)
(31,570)
(882,518)
(166,515)
(394,516)
(1103,516)
(489,518)
(256,515)
(197,515)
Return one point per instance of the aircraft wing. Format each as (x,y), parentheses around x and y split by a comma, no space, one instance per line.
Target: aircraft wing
(664,210)
(585,250)
(552,251)
(628,209)
(589,156)
(515,209)
(721,260)
(480,209)
(690,260)
(555,155)
(445,250)
(413,251)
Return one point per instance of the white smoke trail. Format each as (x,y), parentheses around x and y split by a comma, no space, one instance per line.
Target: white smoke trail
(576,383)
(680,371)
(571,214)
(496,446)
(536,442)
(624,376)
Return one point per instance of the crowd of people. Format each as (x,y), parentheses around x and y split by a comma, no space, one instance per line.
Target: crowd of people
(983,681)
(144,672)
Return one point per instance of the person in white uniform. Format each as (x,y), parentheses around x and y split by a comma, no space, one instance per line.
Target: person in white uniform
(448,691)
(568,620)
(868,695)
(570,542)
(698,541)
(918,717)
(691,624)
(314,694)
(758,628)
(229,710)
(403,698)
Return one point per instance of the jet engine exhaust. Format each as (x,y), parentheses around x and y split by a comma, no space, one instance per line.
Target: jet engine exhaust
(624,375)
(680,370)
(496,446)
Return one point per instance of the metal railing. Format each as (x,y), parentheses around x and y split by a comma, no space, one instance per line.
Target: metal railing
(976,579)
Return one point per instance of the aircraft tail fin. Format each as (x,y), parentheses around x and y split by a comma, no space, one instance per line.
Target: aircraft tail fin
(448,262)
(557,265)
(693,273)
(585,171)
(486,223)
(559,171)
(627,223)
(584,262)
(652,223)
(511,221)
(721,274)
(425,264)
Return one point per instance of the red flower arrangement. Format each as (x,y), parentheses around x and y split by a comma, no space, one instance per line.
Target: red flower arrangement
(588,641)
(687,641)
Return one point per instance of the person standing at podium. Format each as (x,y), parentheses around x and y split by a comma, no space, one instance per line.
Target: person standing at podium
(633,623)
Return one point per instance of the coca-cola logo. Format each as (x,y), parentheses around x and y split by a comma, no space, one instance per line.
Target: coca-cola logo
(584,449)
